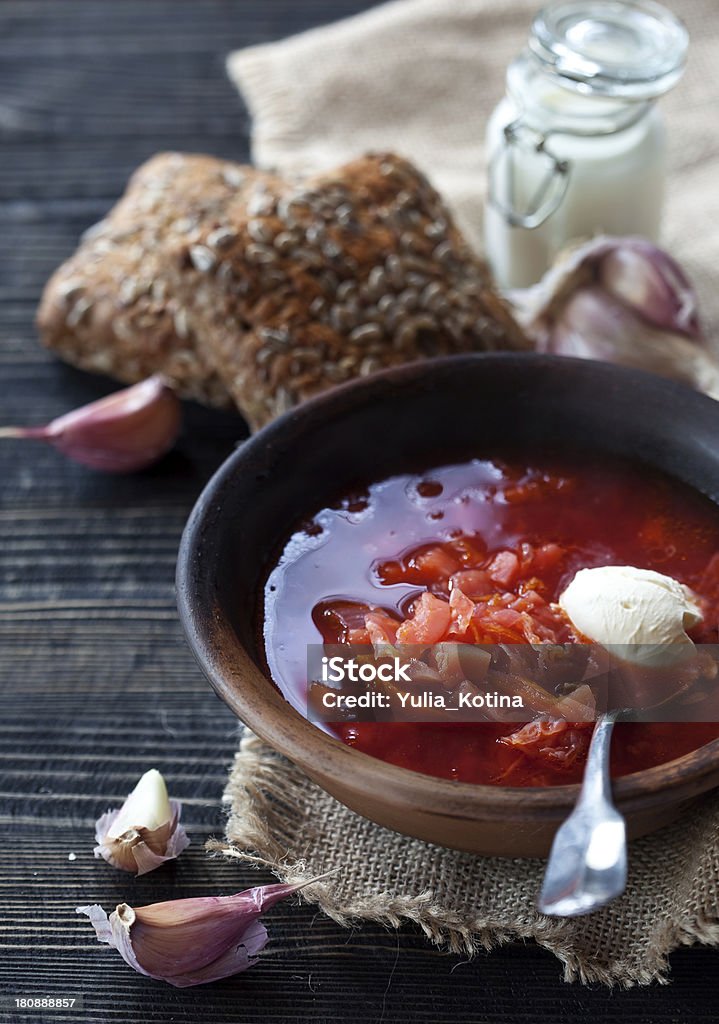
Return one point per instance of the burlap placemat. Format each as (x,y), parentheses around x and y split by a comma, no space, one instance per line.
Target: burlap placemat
(421,77)
(465,903)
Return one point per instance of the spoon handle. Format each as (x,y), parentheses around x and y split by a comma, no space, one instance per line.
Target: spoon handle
(596,783)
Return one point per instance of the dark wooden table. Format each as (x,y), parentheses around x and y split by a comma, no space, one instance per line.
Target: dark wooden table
(96,681)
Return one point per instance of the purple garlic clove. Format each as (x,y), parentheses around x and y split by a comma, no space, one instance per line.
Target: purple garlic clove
(121,433)
(591,327)
(625,301)
(190,941)
(647,280)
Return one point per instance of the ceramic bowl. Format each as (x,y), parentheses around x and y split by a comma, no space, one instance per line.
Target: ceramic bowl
(381,425)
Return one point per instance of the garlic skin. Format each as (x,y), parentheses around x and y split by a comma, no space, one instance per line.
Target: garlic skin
(648,280)
(624,301)
(190,941)
(122,433)
(145,832)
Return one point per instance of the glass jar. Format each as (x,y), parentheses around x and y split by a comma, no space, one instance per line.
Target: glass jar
(577,146)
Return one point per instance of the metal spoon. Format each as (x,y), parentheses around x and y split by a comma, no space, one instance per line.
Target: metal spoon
(588,862)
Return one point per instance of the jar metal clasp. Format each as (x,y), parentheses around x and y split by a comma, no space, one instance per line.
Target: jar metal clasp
(527,182)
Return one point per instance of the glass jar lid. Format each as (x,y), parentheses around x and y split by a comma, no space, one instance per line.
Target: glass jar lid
(635,50)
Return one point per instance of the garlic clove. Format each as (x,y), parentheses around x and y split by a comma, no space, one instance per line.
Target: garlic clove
(190,941)
(122,433)
(148,805)
(647,280)
(145,832)
(593,327)
(620,300)
(234,960)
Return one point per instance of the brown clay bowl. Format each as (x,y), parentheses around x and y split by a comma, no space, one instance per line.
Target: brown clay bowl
(378,426)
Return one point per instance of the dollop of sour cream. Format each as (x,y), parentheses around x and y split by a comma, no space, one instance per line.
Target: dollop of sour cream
(618,605)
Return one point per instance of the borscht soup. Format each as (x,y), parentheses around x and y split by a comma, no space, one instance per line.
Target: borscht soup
(482,553)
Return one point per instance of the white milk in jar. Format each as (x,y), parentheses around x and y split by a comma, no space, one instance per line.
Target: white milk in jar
(577,146)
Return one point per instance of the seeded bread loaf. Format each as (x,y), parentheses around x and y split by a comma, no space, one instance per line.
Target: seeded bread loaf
(336,276)
(111,307)
(236,282)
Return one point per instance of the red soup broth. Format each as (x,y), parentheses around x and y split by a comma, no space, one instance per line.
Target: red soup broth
(507,536)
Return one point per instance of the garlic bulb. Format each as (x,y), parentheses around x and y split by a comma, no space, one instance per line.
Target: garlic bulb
(190,941)
(145,832)
(121,433)
(625,301)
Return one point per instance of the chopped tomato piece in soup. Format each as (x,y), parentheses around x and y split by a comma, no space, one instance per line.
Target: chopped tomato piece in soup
(461,610)
(429,622)
(381,627)
(504,568)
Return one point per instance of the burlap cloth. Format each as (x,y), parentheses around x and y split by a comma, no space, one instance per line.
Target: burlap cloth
(420,77)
